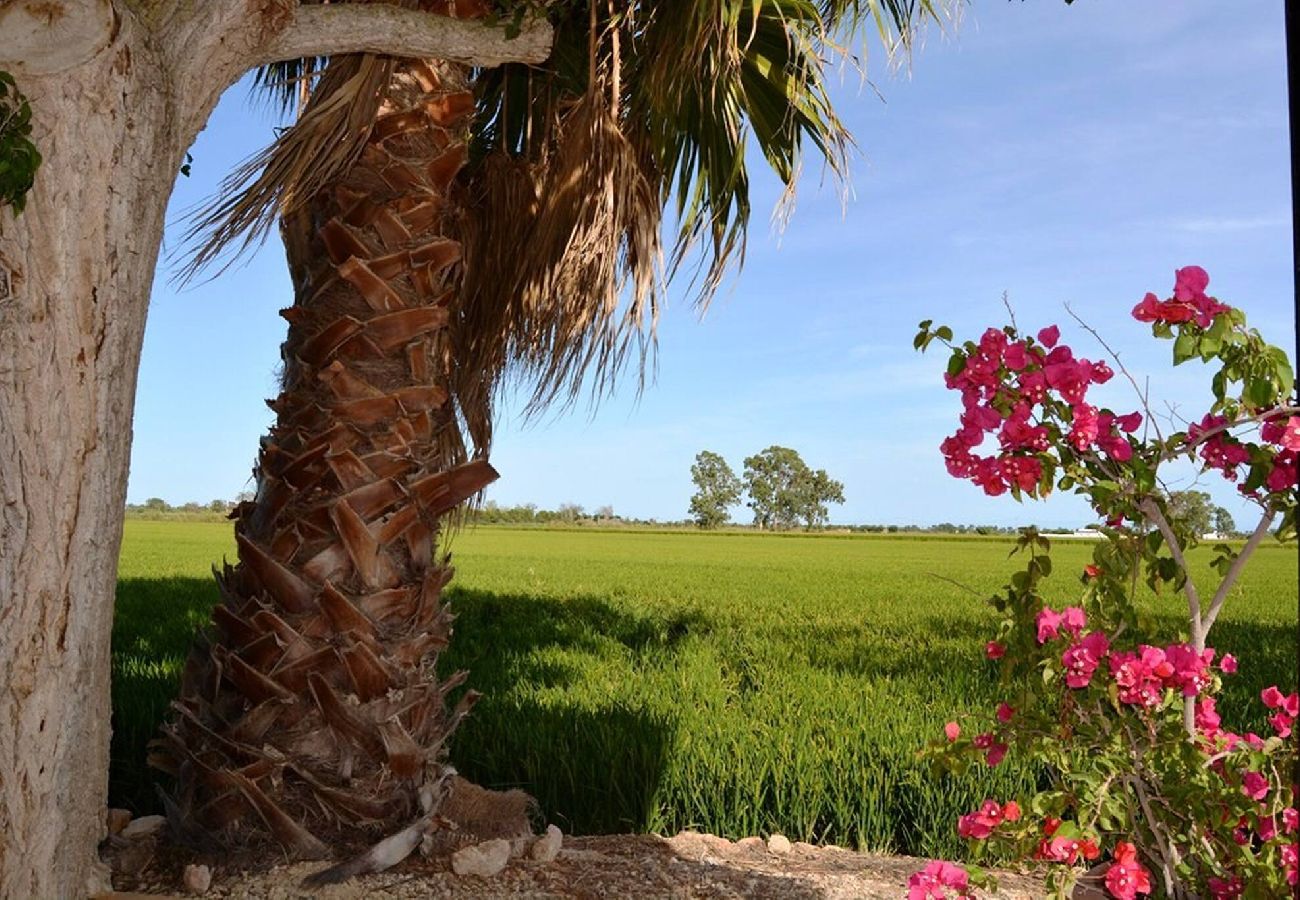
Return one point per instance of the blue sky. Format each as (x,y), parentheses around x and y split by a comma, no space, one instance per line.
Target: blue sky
(1056,153)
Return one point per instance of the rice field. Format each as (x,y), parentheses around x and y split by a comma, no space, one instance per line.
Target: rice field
(738,683)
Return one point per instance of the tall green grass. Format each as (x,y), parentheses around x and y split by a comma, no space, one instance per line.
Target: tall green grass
(739,683)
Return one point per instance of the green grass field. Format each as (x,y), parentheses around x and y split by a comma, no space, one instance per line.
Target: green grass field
(738,683)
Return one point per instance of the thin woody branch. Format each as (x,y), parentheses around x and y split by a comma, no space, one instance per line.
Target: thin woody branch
(1234,570)
(379,28)
(1157,518)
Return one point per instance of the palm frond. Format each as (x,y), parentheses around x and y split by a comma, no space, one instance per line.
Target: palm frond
(687,86)
(644,111)
(304,158)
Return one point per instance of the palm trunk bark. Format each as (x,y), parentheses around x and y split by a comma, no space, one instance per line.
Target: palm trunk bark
(315,713)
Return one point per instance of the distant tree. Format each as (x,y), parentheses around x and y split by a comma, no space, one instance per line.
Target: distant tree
(604,513)
(156,503)
(769,480)
(218,506)
(717,488)
(1223,523)
(1193,510)
(570,512)
(814,492)
(783,490)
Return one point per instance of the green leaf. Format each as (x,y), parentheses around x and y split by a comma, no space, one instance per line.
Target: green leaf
(1259,393)
(1184,347)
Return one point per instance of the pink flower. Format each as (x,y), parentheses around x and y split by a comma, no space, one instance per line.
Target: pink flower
(1140,677)
(1074,619)
(1126,877)
(973,827)
(1190,283)
(1065,850)
(1049,336)
(1282,477)
(1290,852)
(1228,665)
(1032,386)
(1049,625)
(952,730)
(1082,659)
(981,823)
(1014,357)
(1190,669)
(930,882)
(1282,723)
(1267,828)
(994,650)
(1101,373)
(1271,696)
(1207,718)
(1091,571)
(1084,427)
(1148,310)
(1005,712)
(1290,439)
(1229,889)
(1254,785)
(1130,423)
(1069,378)
(1290,819)
(995,754)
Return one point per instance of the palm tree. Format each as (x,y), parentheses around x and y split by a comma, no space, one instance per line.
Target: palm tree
(447,229)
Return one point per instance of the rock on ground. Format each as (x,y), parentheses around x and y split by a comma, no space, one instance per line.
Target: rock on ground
(197,879)
(780,844)
(547,847)
(688,866)
(484,860)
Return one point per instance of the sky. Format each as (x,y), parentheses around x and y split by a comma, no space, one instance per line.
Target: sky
(1055,154)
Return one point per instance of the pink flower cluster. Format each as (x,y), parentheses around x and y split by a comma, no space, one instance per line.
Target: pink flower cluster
(1062,849)
(1001,384)
(1288,708)
(980,824)
(1126,877)
(994,749)
(934,880)
(1223,451)
(1142,677)
(1188,304)
(1286,436)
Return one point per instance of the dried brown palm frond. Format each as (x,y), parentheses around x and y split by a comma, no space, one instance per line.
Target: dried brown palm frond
(563,259)
(305,157)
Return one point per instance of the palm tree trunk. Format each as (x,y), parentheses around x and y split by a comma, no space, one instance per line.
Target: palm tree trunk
(314,712)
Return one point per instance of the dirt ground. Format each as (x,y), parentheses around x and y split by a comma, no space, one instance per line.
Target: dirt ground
(689,865)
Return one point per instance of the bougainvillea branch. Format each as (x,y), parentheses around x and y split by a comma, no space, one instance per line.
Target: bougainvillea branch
(1127,726)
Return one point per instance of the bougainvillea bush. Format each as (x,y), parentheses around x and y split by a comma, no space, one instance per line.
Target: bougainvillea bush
(1151,793)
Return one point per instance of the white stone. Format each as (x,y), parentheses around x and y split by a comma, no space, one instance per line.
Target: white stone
(547,847)
(779,844)
(484,860)
(197,879)
(143,827)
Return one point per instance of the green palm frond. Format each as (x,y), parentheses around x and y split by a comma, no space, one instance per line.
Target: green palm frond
(643,114)
(690,87)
